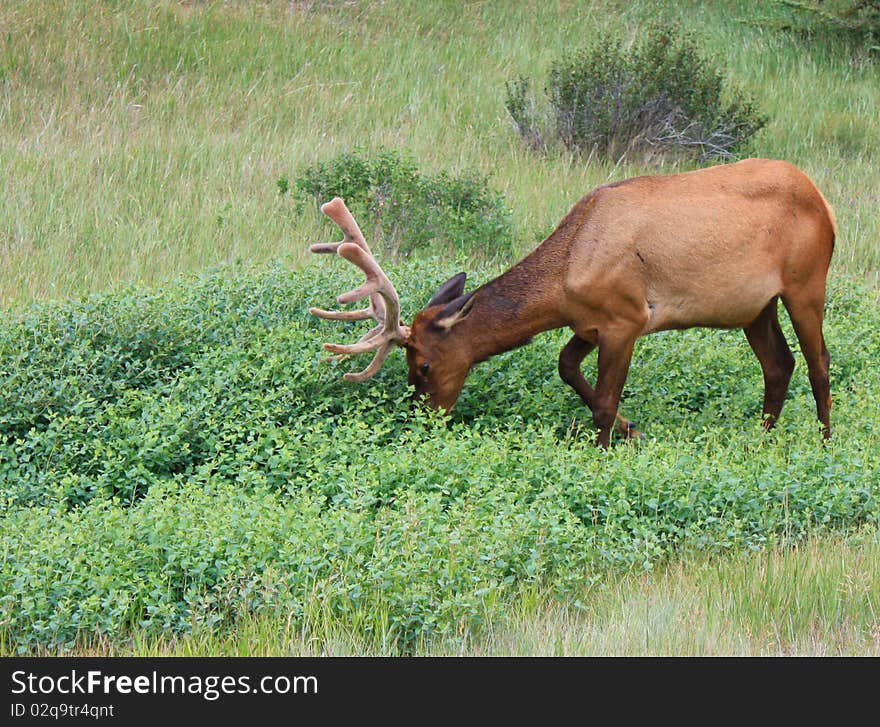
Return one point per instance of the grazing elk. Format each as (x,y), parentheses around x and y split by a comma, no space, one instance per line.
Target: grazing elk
(716,247)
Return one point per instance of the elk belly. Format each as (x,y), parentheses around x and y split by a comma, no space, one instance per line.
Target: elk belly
(725,306)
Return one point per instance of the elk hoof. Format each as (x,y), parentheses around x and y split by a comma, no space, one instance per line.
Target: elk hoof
(629,431)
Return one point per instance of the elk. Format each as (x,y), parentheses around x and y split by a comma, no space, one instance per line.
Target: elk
(716,247)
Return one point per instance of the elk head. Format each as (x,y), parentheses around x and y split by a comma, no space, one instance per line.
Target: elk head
(438,366)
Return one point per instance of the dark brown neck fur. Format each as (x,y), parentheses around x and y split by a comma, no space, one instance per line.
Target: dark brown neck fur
(524,301)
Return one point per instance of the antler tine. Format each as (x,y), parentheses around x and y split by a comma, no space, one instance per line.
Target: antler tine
(336,210)
(384,302)
(374,366)
(343,315)
(377,283)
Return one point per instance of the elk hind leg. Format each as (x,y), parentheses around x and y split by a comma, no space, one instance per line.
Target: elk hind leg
(806,316)
(765,336)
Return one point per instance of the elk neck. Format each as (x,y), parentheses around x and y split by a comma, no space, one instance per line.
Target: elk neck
(520,303)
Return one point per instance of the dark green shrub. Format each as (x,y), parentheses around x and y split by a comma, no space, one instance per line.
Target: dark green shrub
(662,93)
(403,210)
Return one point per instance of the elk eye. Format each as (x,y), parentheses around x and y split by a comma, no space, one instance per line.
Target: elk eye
(425,367)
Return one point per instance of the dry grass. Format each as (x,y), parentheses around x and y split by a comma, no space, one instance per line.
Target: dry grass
(140,140)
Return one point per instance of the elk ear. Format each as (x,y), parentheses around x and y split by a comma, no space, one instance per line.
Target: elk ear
(455,311)
(450,290)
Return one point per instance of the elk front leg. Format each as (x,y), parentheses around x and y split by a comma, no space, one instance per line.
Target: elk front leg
(615,354)
(570,359)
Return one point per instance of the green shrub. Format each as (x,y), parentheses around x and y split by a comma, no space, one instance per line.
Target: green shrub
(405,210)
(662,93)
(171,459)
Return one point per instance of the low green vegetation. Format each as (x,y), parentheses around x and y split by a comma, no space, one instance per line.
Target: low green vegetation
(816,598)
(174,457)
(855,21)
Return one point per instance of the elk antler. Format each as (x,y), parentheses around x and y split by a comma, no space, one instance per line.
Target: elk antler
(384,305)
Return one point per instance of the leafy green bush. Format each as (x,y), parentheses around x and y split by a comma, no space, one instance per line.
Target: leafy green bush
(662,93)
(171,459)
(405,210)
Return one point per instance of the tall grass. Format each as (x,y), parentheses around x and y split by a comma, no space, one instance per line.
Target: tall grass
(139,140)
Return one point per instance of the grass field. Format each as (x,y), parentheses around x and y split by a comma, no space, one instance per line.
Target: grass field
(140,140)
(141,143)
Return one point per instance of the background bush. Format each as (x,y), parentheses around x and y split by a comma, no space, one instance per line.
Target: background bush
(405,210)
(662,93)
(180,457)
